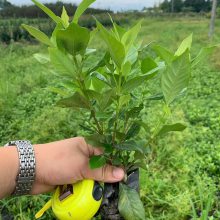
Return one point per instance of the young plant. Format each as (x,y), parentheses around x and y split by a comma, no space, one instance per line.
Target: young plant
(110,92)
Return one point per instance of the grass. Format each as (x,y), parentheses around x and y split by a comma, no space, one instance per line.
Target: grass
(183,172)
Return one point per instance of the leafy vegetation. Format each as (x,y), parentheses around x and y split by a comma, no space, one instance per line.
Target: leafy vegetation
(182,171)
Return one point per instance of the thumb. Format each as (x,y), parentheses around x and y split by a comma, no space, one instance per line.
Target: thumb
(106,173)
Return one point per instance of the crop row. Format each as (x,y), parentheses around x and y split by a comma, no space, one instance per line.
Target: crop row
(11,30)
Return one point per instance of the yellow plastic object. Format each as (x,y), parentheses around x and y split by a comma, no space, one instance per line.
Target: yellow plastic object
(82,204)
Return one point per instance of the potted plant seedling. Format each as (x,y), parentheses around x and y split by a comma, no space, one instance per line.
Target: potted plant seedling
(110,94)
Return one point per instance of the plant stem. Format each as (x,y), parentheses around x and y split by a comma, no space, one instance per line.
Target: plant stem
(96,121)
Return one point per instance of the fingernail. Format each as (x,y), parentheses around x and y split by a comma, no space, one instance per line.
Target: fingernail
(118,173)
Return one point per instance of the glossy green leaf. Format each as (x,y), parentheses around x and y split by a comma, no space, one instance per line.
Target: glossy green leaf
(134,112)
(148,64)
(176,77)
(65,18)
(132,55)
(186,44)
(139,80)
(75,101)
(100,77)
(53,38)
(130,36)
(42,58)
(47,11)
(133,131)
(204,53)
(81,8)
(130,205)
(96,84)
(39,35)
(90,51)
(158,96)
(97,161)
(74,40)
(62,63)
(172,127)
(130,146)
(115,47)
(119,30)
(126,68)
(163,53)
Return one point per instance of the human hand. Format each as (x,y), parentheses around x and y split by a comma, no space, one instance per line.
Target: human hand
(66,162)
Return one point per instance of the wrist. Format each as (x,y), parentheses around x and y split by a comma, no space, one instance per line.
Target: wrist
(9,167)
(40,185)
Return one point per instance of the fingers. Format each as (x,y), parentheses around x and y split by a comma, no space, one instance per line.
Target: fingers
(95,150)
(108,173)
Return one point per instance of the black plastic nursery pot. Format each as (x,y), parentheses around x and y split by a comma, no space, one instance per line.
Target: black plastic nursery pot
(109,208)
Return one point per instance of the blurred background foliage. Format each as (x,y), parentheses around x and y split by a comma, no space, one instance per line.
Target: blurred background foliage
(182,181)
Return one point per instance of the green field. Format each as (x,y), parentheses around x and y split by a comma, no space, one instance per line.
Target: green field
(182,181)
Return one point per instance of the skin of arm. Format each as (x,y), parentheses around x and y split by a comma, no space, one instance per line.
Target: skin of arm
(57,163)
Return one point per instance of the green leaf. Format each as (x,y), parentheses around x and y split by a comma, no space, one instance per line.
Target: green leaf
(105,59)
(65,18)
(133,131)
(53,38)
(106,99)
(81,8)
(204,52)
(130,36)
(173,127)
(139,80)
(130,205)
(126,68)
(115,47)
(186,44)
(100,77)
(134,112)
(39,35)
(176,77)
(148,64)
(123,100)
(74,40)
(47,11)
(97,162)
(163,53)
(42,58)
(158,96)
(96,140)
(61,62)
(130,146)
(132,55)
(75,101)
(120,31)
(58,91)
(95,84)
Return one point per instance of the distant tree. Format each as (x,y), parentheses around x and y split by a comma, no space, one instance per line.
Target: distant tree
(186,5)
(31,11)
(198,5)
(213,15)
(4,4)
(171,6)
(165,6)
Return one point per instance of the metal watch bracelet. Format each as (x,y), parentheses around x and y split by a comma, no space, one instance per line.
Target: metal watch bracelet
(26,175)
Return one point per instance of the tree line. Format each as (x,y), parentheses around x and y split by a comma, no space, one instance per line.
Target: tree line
(186,5)
(31,11)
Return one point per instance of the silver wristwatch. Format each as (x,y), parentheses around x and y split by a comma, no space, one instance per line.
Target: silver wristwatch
(26,175)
